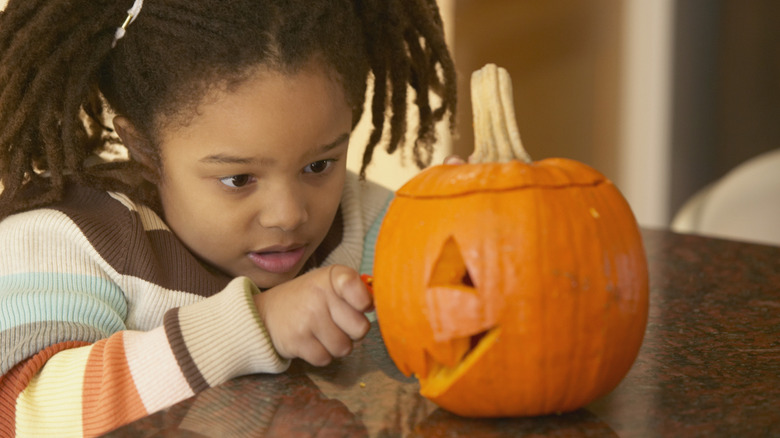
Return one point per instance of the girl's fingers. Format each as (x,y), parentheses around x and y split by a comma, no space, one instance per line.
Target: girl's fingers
(314,320)
(454,159)
(347,285)
(314,352)
(332,338)
(352,322)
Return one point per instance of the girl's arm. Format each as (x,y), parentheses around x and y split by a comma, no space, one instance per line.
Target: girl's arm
(71,366)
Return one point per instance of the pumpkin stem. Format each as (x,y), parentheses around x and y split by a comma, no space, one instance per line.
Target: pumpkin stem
(496,137)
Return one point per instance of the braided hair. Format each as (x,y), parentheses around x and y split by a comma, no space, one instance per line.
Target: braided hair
(59,75)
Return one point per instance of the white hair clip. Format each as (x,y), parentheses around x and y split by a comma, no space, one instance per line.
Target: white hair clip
(132,14)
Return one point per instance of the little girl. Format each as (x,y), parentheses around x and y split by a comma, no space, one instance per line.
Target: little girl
(129,285)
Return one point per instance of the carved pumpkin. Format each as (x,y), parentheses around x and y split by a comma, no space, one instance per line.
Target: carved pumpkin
(515,288)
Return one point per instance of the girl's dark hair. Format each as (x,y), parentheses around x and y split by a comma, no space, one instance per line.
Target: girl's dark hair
(58,68)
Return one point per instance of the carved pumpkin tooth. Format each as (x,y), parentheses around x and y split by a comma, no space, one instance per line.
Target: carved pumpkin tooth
(441,378)
(449,354)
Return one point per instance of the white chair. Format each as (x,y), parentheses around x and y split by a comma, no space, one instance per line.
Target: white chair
(742,205)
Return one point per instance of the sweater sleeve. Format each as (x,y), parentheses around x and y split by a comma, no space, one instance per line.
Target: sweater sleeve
(71,366)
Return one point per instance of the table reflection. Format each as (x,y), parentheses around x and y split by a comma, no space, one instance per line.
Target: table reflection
(709,366)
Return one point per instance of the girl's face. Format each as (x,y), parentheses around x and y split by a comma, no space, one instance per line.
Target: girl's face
(253,183)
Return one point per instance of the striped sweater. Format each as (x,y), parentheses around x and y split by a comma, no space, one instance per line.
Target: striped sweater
(105,317)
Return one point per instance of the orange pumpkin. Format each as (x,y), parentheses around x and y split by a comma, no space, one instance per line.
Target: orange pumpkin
(510,289)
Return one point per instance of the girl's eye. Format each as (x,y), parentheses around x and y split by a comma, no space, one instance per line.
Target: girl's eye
(236,181)
(318,166)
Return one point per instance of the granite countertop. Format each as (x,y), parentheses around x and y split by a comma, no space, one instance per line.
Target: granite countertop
(709,366)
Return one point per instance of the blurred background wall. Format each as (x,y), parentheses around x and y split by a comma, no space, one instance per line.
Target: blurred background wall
(726,89)
(662,96)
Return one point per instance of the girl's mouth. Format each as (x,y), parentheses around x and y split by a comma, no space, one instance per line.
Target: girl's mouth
(277,262)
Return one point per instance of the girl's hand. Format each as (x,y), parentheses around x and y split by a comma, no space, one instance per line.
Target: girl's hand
(454,159)
(318,315)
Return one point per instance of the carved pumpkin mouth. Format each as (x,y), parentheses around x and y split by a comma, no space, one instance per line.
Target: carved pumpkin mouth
(440,376)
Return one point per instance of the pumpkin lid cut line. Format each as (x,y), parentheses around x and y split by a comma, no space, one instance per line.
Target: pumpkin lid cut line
(454,180)
(457,193)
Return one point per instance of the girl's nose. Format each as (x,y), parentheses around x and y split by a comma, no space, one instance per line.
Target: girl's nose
(283,208)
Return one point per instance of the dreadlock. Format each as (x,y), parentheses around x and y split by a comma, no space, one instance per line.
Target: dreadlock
(59,74)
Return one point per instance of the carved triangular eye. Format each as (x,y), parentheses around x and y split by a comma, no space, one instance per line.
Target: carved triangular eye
(466,280)
(453,304)
(450,269)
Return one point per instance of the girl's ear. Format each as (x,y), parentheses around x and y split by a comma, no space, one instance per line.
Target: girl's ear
(140,148)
